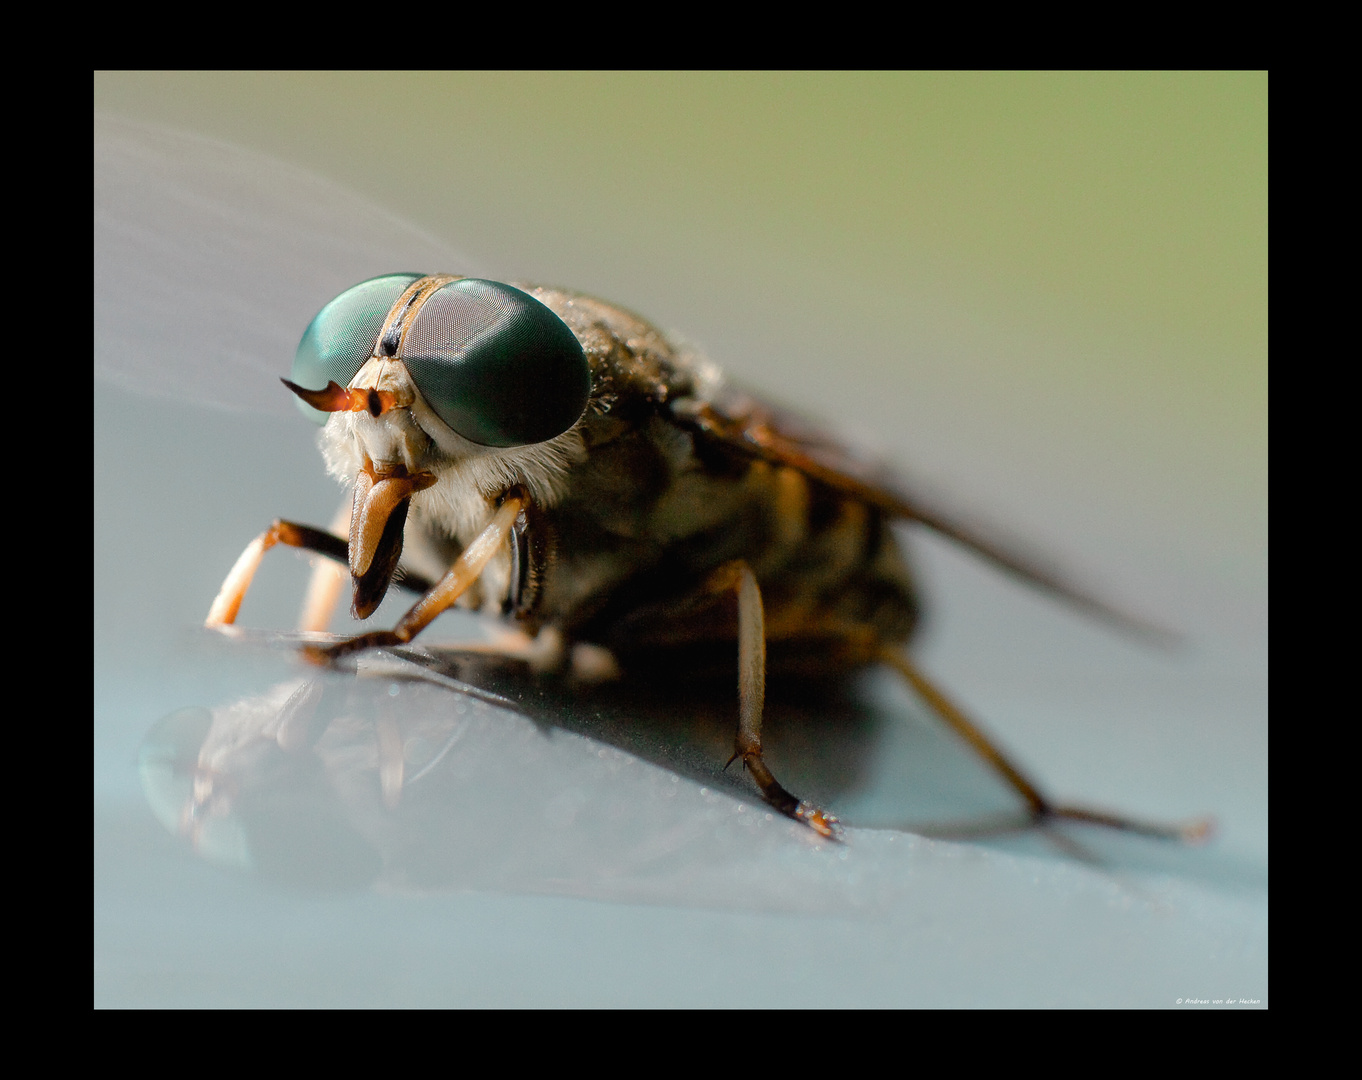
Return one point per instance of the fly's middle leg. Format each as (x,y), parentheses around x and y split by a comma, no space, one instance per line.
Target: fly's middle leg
(328,581)
(466,569)
(752,693)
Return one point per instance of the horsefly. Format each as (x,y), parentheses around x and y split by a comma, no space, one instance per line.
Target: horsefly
(553,460)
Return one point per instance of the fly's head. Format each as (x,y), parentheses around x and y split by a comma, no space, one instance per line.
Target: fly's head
(437,394)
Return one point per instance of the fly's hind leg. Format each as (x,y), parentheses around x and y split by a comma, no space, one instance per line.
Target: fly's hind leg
(1040,808)
(751,697)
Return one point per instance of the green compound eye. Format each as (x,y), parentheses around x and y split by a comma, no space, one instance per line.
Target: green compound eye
(343,335)
(495,364)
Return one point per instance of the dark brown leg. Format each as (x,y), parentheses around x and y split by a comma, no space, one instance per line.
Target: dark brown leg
(751,698)
(1040,808)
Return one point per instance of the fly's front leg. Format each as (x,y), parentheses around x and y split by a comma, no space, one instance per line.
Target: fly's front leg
(752,694)
(444,593)
(328,578)
(238,580)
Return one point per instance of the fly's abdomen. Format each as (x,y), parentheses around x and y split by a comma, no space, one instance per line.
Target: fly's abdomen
(833,580)
(832,566)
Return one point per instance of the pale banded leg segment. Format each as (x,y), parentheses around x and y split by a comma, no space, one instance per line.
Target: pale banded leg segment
(328,581)
(238,580)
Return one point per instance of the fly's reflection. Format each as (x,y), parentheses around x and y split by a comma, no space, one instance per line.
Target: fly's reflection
(424,773)
(468,772)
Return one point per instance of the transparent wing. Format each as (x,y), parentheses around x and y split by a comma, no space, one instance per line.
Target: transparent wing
(210,260)
(753,427)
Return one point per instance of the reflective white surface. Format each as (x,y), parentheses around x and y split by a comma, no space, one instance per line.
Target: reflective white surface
(554,869)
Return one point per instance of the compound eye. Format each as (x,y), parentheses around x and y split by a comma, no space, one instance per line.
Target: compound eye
(496,365)
(342,337)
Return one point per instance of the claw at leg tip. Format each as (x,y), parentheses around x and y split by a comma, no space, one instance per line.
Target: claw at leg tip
(1199,831)
(819,821)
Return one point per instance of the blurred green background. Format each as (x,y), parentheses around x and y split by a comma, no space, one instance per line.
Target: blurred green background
(1047,293)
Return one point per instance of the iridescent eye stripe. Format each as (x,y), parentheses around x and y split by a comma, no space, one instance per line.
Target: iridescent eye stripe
(403,312)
